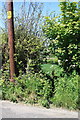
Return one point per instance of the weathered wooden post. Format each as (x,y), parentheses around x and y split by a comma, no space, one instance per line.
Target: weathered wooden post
(11,38)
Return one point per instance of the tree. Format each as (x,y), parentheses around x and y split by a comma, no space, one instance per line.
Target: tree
(63,32)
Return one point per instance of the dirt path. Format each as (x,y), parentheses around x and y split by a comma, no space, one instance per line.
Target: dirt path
(13,110)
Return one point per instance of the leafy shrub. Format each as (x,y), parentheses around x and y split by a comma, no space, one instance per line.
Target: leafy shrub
(52,69)
(66,91)
(35,88)
(31,88)
(63,33)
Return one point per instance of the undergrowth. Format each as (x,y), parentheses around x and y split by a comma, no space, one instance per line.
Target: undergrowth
(37,89)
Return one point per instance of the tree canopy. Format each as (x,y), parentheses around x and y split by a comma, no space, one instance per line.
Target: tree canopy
(63,32)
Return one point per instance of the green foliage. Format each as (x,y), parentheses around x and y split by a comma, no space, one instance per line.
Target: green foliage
(47,68)
(27,50)
(28,41)
(1,82)
(63,32)
(66,91)
(35,88)
(63,43)
(52,70)
(31,88)
(57,57)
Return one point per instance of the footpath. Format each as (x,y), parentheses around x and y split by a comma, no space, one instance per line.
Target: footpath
(19,110)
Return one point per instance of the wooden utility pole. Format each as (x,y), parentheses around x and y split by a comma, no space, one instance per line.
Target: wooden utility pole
(11,38)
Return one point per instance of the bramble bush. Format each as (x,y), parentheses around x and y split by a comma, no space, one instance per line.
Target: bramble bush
(37,89)
(31,88)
